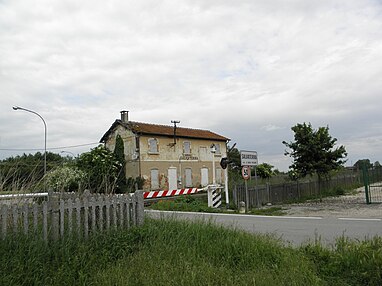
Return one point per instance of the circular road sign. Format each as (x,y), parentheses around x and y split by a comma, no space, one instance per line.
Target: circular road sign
(246,172)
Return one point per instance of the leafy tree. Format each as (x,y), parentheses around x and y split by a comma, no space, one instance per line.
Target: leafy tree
(314,152)
(101,167)
(233,155)
(26,171)
(119,153)
(234,165)
(363,162)
(265,170)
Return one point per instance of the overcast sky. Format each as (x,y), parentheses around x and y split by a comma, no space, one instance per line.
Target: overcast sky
(248,70)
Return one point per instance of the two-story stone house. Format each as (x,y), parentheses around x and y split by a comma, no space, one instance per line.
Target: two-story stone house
(168,157)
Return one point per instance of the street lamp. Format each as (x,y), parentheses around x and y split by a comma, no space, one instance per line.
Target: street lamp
(68,153)
(31,111)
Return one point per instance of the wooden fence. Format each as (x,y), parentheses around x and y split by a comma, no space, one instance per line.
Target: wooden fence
(80,216)
(286,192)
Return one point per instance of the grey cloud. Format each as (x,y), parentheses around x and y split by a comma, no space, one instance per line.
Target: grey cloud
(239,68)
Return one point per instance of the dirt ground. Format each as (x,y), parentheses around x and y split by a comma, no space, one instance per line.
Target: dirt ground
(343,206)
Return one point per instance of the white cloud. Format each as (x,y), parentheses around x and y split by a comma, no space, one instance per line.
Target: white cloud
(240,68)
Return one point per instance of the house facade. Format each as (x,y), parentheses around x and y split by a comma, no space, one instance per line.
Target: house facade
(168,157)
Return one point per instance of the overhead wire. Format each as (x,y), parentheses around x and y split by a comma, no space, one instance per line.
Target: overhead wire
(53,148)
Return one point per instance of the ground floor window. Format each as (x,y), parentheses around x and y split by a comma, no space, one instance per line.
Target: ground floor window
(188,175)
(154,179)
(204,177)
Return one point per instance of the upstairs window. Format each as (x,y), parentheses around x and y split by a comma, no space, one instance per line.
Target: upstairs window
(153,146)
(217,146)
(187,147)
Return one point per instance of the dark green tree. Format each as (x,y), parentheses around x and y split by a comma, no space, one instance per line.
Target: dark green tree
(363,162)
(233,155)
(314,152)
(102,169)
(26,171)
(119,153)
(265,170)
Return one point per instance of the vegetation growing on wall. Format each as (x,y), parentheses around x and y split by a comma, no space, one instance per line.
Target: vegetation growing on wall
(119,154)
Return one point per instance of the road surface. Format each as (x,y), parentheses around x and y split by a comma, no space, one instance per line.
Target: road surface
(291,229)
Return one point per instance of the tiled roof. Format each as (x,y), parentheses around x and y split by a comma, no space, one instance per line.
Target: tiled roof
(165,130)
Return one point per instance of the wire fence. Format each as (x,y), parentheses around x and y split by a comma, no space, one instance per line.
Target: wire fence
(291,191)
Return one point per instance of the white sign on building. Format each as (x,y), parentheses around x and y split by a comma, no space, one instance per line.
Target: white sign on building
(248,158)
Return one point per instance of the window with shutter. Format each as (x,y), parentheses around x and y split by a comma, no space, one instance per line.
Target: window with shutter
(153,145)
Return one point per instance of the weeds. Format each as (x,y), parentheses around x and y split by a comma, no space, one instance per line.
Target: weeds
(169,252)
(184,203)
(270,211)
(350,262)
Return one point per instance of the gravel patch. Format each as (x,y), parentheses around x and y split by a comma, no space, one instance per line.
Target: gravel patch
(353,206)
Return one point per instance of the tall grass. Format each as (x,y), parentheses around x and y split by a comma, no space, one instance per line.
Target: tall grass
(185,253)
(169,252)
(350,262)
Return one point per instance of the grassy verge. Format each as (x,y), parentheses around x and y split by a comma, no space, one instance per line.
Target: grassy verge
(184,203)
(168,252)
(197,204)
(270,211)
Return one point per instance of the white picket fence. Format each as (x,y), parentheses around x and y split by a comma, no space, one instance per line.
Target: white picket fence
(81,216)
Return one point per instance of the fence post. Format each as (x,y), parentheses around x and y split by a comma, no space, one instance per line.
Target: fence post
(45,220)
(140,207)
(35,217)
(70,216)
(4,216)
(128,210)
(366,182)
(93,209)
(62,217)
(86,215)
(54,210)
(107,207)
(78,216)
(26,218)
(121,206)
(15,215)
(114,210)
(100,203)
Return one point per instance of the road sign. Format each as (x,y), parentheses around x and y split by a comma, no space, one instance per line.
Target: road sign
(246,172)
(248,158)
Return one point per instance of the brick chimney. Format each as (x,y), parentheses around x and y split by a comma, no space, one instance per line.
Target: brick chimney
(124,116)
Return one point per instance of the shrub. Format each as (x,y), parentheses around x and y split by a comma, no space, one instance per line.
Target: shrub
(67,178)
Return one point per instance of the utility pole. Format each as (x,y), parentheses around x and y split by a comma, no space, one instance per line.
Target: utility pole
(175,122)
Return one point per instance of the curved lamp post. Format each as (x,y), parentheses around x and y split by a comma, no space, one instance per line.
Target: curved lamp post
(31,111)
(68,152)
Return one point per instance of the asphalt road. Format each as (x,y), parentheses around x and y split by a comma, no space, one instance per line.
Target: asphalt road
(294,230)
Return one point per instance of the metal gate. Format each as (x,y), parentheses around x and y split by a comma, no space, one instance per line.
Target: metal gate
(372,178)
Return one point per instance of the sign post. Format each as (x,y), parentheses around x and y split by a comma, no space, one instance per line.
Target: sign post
(246,173)
(247,159)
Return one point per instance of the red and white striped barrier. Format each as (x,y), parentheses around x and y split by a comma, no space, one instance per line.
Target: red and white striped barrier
(167,193)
